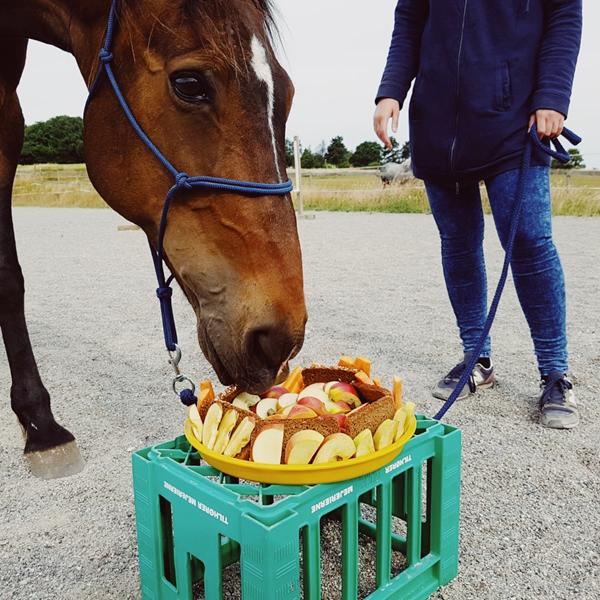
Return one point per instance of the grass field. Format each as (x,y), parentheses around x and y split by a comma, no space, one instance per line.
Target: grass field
(351,190)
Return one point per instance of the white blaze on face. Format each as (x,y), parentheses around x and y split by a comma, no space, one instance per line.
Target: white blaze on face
(262,70)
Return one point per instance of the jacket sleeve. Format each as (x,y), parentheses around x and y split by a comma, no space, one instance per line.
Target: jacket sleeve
(558,55)
(403,57)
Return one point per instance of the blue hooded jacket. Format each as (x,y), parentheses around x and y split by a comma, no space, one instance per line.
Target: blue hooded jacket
(482,67)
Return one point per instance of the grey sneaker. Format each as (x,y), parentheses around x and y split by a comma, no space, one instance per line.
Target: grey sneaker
(558,409)
(481,379)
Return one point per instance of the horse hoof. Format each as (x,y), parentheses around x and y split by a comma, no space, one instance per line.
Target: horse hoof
(61,461)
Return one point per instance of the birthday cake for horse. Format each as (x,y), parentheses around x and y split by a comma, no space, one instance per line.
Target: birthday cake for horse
(318,415)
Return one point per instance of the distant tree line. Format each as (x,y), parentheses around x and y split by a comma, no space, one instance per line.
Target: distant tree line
(336,154)
(60,140)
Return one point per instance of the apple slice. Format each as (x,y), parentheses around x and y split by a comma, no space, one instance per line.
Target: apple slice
(286,411)
(225,428)
(400,418)
(314,404)
(328,385)
(364,443)
(301,412)
(268,445)
(213,417)
(249,400)
(266,407)
(316,390)
(302,446)
(240,437)
(286,400)
(335,408)
(385,434)
(344,392)
(337,446)
(276,392)
(196,421)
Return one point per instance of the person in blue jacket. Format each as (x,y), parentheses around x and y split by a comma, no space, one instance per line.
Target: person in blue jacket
(485,71)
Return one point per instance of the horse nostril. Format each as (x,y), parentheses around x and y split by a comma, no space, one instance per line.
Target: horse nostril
(269,345)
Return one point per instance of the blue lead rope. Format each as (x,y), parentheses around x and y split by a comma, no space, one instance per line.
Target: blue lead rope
(563,156)
(182,181)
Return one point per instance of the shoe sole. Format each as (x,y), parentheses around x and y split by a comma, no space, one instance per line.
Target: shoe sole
(486,385)
(554,423)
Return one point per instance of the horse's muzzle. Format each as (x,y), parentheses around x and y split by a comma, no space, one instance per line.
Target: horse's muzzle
(256,363)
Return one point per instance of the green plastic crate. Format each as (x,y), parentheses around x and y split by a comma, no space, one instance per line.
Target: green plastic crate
(193,521)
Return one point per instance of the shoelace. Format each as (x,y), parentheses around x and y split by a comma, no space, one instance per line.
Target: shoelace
(456,373)
(555,389)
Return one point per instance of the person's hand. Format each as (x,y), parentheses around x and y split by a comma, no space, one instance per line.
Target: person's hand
(550,123)
(387,109)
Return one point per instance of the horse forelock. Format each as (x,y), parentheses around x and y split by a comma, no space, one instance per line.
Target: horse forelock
(193,8)
(226,26)
(222,28)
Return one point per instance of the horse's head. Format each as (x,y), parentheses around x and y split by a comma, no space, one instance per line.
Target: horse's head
(202,79)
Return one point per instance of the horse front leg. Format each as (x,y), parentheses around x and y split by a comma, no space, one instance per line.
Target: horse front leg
(49,448)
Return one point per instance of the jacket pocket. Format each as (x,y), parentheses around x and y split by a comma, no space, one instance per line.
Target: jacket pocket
(503,100)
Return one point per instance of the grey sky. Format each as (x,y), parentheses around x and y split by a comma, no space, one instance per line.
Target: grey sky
(335,51)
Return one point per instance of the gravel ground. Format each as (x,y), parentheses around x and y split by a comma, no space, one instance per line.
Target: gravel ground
(531,497)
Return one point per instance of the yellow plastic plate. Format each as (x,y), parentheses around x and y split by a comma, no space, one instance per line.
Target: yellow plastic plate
(302,474)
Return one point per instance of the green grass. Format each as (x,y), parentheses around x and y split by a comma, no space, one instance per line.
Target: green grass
(575,195)
(393,201)
(340,190)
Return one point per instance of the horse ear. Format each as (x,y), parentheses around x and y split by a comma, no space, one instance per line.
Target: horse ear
(154,61)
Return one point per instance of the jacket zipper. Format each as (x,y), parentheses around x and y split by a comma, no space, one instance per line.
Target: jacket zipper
(460,46)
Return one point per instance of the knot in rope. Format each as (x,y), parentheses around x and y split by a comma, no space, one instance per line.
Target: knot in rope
(164,292)
(187,397)
(182,181)
(106,56)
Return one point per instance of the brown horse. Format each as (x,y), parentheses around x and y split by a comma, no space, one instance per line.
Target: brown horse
(202,79)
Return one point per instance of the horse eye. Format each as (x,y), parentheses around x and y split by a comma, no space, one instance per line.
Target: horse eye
(191,87)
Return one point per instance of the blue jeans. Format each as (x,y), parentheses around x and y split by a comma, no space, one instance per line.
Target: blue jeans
(536,267)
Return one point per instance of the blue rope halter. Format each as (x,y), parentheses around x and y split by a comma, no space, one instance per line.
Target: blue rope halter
(182,181)
(559,153)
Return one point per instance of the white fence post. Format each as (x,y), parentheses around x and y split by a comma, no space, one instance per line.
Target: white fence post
(297,171)
(298,178)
